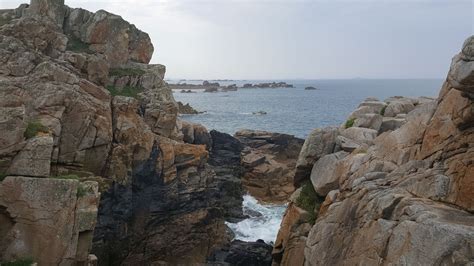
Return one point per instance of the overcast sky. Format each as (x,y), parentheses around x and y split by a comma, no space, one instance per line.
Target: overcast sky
(283,39)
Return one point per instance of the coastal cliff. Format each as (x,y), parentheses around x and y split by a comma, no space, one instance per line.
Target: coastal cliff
(393,185)
(83,113)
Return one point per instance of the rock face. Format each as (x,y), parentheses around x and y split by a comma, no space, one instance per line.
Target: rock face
(243,254)
(269,161)
(407,192)
(77,98)
(35,212)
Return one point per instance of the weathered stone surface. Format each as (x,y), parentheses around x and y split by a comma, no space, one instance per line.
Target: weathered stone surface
(34,159)
(399,106)
(43,212)
(319,143)
(461,74)
(391,123)
(269,161)
(372,121)
(52,9)
(324,176)
(360,135)
(110,35)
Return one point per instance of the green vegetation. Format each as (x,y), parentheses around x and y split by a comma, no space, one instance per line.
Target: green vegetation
(125,91)
(20,262)
(309,201)
(73,177)
(33,128)
(350,123)
(382,112)
(75,44)
(120,72)
(2,176)
(81,191)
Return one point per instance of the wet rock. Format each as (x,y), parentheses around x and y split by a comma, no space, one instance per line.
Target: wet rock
(243,253)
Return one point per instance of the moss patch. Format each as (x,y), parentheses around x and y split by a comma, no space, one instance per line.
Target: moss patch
(33,128)
(125,91)
(20,262)
(309,201)
(382,112)
(121,72)
(349,123)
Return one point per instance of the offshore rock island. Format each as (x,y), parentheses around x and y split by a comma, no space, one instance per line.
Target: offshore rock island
(97,168)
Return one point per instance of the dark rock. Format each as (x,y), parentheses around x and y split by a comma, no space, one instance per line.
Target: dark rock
(310,88)
(213,89)
(243,253)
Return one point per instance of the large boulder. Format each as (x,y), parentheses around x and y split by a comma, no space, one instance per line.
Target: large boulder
(319,143)
(461,74)
(44,212)
(324,175)
(399,106)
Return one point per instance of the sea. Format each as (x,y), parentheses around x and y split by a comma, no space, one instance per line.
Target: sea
(293,111)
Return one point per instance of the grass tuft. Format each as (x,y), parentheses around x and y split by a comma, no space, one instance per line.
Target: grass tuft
(309,201)
(125,91)
(20,262)
(382,112)
(33,128)
(121,72)
(349,123)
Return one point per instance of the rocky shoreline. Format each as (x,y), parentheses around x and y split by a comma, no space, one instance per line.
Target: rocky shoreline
(96,164)
(207,86)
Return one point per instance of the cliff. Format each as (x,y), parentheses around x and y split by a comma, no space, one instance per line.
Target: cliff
(393,185)
(79,101)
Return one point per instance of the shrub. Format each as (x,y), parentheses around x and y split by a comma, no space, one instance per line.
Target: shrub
(382,112)
(33,128)
(350,123)
(20,262)
(75,44)
(309,201)
(120,72)
(2,176)
(125,91)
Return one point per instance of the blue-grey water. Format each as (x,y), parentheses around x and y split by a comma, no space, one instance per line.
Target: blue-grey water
(294,110)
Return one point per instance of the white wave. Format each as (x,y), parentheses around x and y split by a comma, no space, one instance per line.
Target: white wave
(264,221)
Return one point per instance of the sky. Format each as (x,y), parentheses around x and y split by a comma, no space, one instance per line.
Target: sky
(297,39)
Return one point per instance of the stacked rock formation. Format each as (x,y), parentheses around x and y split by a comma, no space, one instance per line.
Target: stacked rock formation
(397,180)
(79,99)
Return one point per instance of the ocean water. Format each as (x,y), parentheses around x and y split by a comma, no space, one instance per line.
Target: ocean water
(295,111)
(264,221)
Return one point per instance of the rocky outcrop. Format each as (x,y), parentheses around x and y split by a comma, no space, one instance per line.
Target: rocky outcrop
(269,161)
(406,192)
(187,109)
(39,212)
(79,99)
(242,253)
